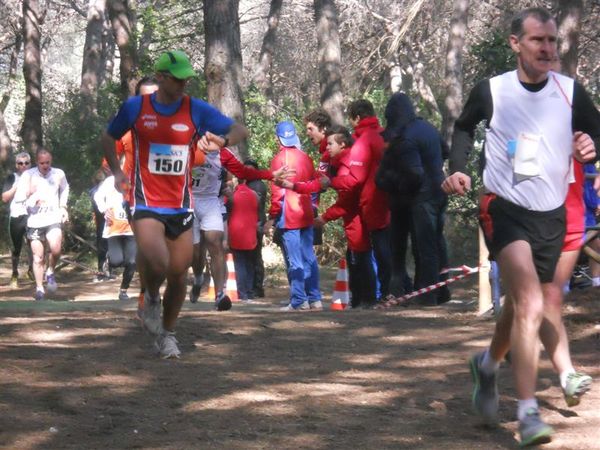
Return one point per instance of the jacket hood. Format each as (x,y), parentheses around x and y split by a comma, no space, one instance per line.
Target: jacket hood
(399,112)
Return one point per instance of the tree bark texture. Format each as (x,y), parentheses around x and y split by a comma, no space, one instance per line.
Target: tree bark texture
(93,64)
(329,51)
(262,76)
(5,143)
(31,129)
(569,18)
(223,64)
(121,18)
(454,68)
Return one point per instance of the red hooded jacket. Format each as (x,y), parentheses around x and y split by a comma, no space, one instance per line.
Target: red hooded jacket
(347,207)
(365,157)
(289,209)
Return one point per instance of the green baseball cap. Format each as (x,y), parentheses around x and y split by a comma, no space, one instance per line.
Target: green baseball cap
(176,63)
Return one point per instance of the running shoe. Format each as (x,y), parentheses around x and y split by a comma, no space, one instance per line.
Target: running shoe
(317,306)
(151,315)
(485,391)
(51,283)
(166,345)
(39,296)
(534,430)
(195,292)
(302,307)
(223,302)
(14,282)
(577,385)
(123,295)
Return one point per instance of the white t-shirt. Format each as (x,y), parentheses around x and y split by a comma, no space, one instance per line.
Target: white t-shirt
(107,197)
(43,196)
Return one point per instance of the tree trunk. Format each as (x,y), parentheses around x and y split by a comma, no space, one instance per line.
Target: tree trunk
(121,17)
(92,65)
(31,130)
(5,142)
(262,76)
(223,65)
(569,18)
(330,73)
(12,69)
(454,72)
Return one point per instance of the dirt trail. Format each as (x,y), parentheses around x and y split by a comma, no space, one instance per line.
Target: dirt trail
(81,374)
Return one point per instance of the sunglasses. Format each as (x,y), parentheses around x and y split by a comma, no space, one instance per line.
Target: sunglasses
(23,163)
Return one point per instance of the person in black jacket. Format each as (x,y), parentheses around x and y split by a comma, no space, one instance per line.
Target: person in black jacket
(411,171)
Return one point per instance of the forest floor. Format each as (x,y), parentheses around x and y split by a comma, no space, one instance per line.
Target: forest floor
(80,373)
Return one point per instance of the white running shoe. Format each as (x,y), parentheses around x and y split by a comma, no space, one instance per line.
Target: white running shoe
(151,315)
(166,345)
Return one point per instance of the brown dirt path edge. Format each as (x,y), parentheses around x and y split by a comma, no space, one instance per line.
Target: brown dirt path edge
(77,375)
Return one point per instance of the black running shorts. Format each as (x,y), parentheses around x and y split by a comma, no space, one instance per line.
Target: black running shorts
(504,222)
(175,224)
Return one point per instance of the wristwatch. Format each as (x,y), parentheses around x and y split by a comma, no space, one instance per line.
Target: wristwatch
(225,140)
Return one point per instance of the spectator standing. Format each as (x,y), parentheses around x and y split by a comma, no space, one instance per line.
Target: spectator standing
(411,171)
(292,215)
(243,223)
(365,157)
(258,186)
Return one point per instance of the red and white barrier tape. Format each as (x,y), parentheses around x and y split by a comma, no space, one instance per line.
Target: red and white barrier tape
(405,299)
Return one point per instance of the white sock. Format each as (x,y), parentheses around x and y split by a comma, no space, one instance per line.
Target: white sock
(524,406)
(488,364)
(40,289)
(596,281)
(563,376)
(49,271)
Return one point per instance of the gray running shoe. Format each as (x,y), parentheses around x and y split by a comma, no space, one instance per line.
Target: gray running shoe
(577,385)
(51,283)
(151,315)
(39,296)
(485,391)
(533,430)
(123,295)
(303,307)
(166,345)
(318,305)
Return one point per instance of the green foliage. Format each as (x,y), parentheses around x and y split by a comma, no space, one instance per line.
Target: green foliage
(462,213)
(491,56)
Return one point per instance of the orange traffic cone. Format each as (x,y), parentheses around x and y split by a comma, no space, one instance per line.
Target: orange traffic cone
(341,295)
(211,289)
(231,285)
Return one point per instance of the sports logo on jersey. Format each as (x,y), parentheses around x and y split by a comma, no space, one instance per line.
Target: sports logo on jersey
(150,121)
(180,127)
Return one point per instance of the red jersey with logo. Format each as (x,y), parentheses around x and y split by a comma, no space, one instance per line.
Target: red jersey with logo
(243,219)
(163,152)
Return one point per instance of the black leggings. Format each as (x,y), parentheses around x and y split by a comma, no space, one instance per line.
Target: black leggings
(17,226)
(121,252)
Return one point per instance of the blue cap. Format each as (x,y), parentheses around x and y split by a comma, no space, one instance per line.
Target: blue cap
(286,132)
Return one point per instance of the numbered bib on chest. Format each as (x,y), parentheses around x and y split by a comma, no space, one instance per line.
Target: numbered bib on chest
(166,159)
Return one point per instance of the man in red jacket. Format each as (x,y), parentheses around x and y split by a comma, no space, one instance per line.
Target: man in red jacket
(365,157)
(317,122)
(358,253)
(292,214)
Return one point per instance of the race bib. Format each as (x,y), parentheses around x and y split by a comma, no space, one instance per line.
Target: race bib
(525,162)
(165,159)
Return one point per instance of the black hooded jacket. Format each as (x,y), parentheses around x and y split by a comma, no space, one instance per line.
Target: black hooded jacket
(412,166)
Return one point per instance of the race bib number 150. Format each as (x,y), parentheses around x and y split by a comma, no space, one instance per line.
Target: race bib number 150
(165,159)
